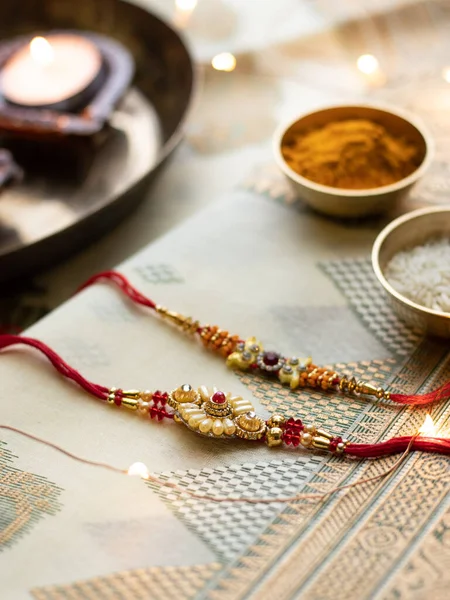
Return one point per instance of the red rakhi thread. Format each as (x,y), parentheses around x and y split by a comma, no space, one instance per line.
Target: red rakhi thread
(217,339)
(291,432)
(155,404)
(123,284)
(399,444)
(99,391)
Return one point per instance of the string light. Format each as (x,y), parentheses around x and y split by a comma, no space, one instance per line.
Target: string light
(186,5)
(139,469)
(368,64)
(225,61)
(428,428)
(446,74)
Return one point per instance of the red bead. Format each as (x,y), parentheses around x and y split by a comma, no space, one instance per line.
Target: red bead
(334,443)
(117,400)
(153,411)
(287,438)
(159,397)
(219,398)
(270,358)
(296,440)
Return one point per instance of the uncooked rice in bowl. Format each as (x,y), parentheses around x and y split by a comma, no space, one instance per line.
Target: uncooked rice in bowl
(422,274)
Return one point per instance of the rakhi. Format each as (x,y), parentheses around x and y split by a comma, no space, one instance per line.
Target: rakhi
(249,355)
(212,413)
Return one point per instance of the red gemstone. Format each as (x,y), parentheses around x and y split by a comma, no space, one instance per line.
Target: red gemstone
(219,398)
(270,359)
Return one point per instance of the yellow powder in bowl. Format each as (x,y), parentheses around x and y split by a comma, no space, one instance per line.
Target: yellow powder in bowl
(352,154)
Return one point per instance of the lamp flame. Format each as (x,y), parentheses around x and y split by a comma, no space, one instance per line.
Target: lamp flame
(428,428)
(41,51)
(138,469)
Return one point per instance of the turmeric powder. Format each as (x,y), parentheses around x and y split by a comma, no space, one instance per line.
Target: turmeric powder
(351,154)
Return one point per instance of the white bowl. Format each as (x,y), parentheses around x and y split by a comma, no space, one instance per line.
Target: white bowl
(352,203)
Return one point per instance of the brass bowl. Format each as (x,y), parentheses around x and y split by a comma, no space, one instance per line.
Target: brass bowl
(350,203)
(412,229)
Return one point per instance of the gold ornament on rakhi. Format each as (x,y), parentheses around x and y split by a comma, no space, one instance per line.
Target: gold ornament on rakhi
(250,355)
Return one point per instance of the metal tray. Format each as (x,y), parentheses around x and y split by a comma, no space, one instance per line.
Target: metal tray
(75,190)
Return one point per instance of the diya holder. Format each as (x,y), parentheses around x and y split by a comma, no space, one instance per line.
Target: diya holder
(250,355)
(214,414)
(82,114)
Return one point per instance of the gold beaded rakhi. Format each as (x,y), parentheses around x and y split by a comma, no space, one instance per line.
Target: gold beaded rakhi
(214,414)
(250,355)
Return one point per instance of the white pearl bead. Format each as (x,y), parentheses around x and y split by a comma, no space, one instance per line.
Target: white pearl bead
(189,405)
(229,427)
(205,425)
(306,439)
(190,412)
(195,421)
(234,399)
(217,427)
(204,393)
(240,410)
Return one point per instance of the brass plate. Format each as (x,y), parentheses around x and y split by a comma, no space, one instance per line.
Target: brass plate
(76,190)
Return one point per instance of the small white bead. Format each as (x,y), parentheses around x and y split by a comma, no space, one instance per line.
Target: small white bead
(229,426)
(240,402)
(240,410)
(217,427)
(195,421)
(306,439)
(205,425)
(204,393)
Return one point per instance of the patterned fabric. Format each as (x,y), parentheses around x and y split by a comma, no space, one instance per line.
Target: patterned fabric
(259,263)
(25,498)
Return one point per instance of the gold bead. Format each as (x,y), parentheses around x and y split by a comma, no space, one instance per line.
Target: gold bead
(274,437)
(111,395)
(276,421)
(130,403)
(185,393)
(249,422)
(321,443)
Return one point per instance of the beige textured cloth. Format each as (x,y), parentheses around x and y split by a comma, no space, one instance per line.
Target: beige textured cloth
(79,526)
